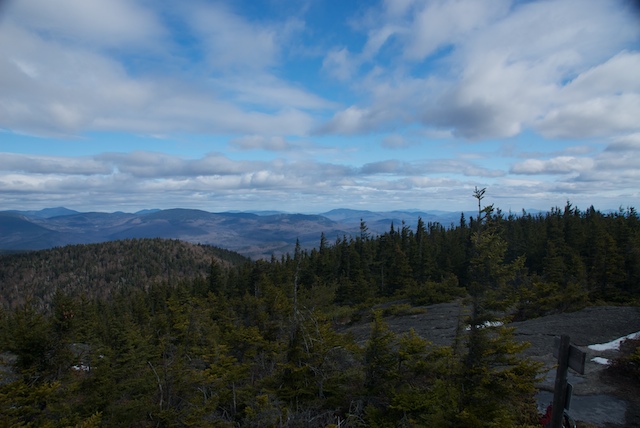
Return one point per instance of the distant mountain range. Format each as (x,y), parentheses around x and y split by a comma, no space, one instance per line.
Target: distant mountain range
(254,234)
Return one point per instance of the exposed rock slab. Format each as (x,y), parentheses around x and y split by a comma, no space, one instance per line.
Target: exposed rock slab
(595,391)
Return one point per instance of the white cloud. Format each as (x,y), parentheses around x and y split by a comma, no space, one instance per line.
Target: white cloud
(440,23)
(268,91)
(55,83)
(33,164)
(437,134)
(110,23)
(340,64)
(419,70)
(145,165)
(438,182)
(563,68)
(100,95)
(558,165)
(46,95)
(397,8)
(595,117)
(231,42)
(391,166)
(376,39)
(513,72)
(625,143)
(350,121)
(259,142)
(396,141)
(473,68)
(168,180)
(431,167)
(459,167)
(616,74)
(602,101)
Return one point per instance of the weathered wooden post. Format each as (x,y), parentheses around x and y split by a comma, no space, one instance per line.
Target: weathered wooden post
(560,386)
(568,356)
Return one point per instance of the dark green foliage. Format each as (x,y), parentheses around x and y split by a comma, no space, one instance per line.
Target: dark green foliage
(163,333)
(379,358)
(26,404)
(431,292)
(498,386)
(29,336)
(628,364)
(100,270)
(587,256)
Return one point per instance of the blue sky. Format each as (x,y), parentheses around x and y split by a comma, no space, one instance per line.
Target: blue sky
(311,105)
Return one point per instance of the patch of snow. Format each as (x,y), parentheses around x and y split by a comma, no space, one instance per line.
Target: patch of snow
(600,360)
(487,324)
(614,344)
(80,367)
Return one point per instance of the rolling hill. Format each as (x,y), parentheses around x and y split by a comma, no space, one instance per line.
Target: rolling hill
(256,235)
(99,270)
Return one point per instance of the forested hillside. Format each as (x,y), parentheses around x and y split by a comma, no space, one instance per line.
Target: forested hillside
(97,270)
(254,343)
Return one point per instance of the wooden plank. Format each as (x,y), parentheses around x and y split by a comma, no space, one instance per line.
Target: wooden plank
(567,399)
(560,386)
(577,358)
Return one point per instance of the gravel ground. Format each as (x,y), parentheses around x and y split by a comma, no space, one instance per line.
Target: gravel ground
(601,397)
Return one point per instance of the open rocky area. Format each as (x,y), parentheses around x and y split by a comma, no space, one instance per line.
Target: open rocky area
(602,398)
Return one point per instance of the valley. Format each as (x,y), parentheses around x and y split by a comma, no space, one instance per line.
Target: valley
(255,235)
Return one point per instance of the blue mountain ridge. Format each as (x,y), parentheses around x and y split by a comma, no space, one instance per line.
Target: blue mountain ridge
(257,234)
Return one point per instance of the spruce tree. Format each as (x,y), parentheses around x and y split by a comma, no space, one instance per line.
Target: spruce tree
(497,385)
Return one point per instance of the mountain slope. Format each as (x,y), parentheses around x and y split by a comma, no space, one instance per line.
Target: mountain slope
(97,270)
(257,235)
(47,212)
(18,232)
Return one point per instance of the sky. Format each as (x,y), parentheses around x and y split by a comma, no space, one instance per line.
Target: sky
(310,105)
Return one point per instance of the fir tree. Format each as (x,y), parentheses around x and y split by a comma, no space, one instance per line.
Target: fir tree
(497,386)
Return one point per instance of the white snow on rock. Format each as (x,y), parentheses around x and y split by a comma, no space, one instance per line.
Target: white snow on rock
(614,344)
(80,367)
(487,324)
(600,360)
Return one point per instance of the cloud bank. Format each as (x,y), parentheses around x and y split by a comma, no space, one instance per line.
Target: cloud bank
(306,106)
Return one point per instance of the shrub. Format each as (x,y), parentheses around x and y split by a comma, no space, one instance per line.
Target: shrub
(628,362)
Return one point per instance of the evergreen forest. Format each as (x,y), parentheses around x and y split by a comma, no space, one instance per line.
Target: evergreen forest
(161,333)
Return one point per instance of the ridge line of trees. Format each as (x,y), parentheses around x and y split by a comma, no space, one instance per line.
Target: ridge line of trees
(255,343)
